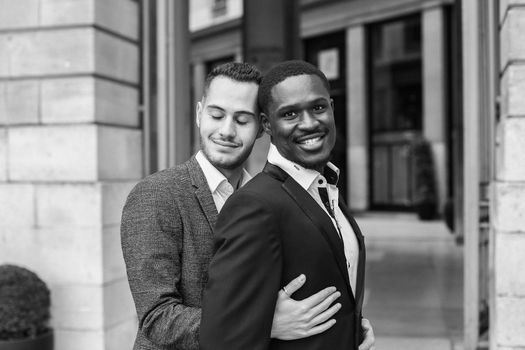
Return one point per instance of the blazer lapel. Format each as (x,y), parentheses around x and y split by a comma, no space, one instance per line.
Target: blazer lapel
(202,191)
(317,215)
(360,283)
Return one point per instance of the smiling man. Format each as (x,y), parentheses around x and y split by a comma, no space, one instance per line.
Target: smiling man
(288,220)
(168,221)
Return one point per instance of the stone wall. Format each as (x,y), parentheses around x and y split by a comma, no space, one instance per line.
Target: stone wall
(70,152)
(509,191)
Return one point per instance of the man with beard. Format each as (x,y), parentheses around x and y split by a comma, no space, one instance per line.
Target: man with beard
(286,220)
(168,220)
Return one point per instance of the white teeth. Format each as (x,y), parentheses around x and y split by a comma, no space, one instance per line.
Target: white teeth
(311,141)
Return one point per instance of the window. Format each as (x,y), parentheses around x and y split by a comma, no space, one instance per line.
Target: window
(219,8)
(396,81)
(395,107)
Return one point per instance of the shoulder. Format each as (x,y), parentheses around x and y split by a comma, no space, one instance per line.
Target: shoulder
(250,217)
(261,182)
(262,186)
(161,187)
(165,179)
(261,193)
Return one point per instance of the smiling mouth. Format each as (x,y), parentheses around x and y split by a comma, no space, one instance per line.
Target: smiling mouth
(225,143)
(311,140)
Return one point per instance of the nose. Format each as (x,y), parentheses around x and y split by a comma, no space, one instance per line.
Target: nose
(227,128)
(308,121)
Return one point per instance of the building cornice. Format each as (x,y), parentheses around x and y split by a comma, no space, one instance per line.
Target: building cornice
(333,16)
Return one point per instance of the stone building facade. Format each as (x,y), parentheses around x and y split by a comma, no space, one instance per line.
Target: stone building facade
(508,285)
(70,152)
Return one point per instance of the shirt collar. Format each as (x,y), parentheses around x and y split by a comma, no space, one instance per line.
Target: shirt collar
(303,176)
(214,177)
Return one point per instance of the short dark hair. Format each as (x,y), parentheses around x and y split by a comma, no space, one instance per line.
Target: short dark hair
(280,72)
(238,71)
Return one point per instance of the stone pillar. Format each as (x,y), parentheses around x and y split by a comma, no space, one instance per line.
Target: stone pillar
(357,130)
(434,102)
(179,111)
(509,186)
(199,75)
(265,45)
(70,151)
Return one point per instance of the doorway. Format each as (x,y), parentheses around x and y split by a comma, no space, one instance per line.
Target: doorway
(395,104)
(327,52)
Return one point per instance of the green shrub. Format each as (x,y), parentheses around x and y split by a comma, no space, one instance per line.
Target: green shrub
(24,303)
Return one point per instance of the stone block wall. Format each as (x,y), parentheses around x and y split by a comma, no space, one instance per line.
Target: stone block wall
(509,190)
(70,152)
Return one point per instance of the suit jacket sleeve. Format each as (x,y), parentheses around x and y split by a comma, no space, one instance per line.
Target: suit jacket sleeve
(244,276)
(151,235)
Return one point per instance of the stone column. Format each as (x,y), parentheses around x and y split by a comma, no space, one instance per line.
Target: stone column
(70,151)
(270,35)
(507,331)
(199,75)
(357,130)
(434,102)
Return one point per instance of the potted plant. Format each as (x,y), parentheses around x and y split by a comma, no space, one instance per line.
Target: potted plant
(24,310)
(425,180)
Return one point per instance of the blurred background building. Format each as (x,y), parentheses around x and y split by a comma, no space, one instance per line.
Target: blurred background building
(96,94)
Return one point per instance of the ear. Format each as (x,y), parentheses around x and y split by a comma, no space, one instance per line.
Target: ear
(198,113)
(265,123)
(332,103)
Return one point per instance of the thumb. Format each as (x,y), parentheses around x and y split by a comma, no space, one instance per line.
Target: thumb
(295,284)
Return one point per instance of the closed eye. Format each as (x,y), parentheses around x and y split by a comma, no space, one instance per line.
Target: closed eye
(244,118)
(216,114)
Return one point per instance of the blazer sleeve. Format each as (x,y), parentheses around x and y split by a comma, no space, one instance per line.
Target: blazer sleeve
(151,237)
(244,276)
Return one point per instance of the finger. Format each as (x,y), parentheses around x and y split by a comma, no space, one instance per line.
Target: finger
(369,341)
(322,317)
(319,297)
(365,324)
(367,327)
(320,328)
(325,304)
(295,284)
(367,344)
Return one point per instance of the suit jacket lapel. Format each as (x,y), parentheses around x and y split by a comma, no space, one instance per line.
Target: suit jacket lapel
(202,191)
(360,283)
(314,212)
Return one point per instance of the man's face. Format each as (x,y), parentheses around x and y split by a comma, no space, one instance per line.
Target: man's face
(228,122)
(301,121)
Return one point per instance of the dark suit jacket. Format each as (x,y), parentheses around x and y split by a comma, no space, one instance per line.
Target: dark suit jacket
(167,242)
(268,233)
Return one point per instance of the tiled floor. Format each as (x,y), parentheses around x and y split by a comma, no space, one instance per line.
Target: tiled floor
(414,287)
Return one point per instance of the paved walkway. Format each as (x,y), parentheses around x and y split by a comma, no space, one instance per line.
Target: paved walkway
(414,287)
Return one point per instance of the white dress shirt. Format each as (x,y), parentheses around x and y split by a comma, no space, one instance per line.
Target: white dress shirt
(220,188)
(311,180)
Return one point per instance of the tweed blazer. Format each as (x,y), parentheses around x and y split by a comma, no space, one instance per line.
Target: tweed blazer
(167,242)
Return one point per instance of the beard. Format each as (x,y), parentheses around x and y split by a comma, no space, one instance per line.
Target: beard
(222,160)
(318,166)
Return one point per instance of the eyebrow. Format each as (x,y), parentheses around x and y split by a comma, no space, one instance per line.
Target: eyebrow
(236,112)
(214,107)
(297,105)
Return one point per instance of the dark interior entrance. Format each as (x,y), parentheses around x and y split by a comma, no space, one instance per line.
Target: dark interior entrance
(396,109)
(328,53)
